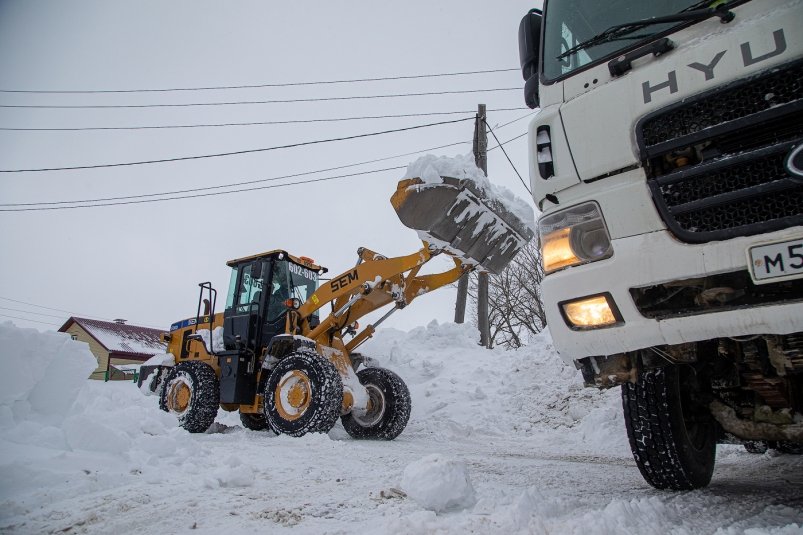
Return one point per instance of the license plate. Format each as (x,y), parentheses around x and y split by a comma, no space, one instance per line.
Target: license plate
(776,261)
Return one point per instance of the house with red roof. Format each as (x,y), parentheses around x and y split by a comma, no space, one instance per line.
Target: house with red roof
(119,348)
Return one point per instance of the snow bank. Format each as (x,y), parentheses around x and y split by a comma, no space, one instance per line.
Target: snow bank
(439,483)
(47,400)
(42,375)
(462,390)
(431,168)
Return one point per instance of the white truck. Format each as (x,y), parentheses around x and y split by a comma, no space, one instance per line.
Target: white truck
(667,162)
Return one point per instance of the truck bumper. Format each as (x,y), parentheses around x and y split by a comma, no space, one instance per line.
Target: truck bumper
(656,258)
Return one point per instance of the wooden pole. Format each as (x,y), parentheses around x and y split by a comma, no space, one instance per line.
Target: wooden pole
(481,158)
(460,304)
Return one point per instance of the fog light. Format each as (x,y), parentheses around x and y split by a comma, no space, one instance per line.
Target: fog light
(591,312)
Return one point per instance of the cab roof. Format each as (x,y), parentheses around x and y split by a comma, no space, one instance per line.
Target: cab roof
(300,260)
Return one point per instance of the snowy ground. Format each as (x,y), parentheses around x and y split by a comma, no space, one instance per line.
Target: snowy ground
(542,455)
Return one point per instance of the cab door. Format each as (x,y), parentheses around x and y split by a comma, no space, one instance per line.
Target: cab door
(241,318)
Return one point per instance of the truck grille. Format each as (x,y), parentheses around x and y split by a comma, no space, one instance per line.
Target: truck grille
(715,162)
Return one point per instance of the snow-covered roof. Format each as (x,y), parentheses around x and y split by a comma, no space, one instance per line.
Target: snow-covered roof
(121,338)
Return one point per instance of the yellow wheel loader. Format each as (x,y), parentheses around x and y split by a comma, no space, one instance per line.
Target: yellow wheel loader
(270,355)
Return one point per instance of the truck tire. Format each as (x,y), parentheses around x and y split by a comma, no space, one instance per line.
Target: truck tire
(191,391)
(389,410)
(304,394)
(254,421)
(789,448)
(672,436)
(756,446)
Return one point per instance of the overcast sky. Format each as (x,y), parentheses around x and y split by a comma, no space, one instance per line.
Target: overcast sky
(143,261)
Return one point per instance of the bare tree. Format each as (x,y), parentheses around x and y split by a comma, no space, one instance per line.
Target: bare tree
(515,307)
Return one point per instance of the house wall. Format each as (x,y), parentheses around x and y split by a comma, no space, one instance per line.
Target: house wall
(101,355)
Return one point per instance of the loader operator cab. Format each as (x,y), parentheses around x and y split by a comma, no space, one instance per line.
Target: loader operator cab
(259,288)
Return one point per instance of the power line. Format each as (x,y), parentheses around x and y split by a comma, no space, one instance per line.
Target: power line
(31,312)
(211,194)
(255,123)
(233,184)
(508,157)
(244,183)
(233,153)
(34,321)
(257,86)
(71,313)
(300,182)
(250,102)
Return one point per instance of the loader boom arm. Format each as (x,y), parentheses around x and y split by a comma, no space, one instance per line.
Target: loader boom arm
(373,283)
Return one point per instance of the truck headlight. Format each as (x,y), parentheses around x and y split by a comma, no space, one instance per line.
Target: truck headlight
(591,312)
(574,236)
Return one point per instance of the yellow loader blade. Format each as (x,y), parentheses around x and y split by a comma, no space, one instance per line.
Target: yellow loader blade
(457,216)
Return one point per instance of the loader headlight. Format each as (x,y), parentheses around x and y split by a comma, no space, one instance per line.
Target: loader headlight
(591,312)
(573,236)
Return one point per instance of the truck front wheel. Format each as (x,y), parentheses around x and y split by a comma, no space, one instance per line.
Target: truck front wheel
(672,433)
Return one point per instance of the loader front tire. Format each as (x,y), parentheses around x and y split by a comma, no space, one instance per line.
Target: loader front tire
(191,391)
(388,410)
(304,394)
(672,434)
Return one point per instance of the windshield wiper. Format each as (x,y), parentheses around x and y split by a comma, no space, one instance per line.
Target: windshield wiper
(615,33)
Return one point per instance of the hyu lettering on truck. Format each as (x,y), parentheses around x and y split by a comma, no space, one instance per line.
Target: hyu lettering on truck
(709,69)
(345,280)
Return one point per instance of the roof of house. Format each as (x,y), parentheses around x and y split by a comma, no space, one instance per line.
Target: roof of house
(121,338)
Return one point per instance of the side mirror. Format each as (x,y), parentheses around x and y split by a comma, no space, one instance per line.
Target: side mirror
(529,52)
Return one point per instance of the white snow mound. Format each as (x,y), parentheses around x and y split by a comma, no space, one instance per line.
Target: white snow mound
(439,484)
(42,374)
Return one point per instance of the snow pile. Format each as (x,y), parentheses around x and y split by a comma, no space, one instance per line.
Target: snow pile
(431,168)
(42,375)
(461,390)
(439,484)
(498,442)
(47,401)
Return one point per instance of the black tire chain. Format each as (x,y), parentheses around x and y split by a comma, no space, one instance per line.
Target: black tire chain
(205,388)
(326,414)
(397,410)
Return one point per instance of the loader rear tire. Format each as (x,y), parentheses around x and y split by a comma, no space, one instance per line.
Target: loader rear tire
(672,435)
(254,421)
(389,409)
(191,391)
(304,394)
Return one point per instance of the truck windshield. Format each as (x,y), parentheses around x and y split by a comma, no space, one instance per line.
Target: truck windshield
(568,23)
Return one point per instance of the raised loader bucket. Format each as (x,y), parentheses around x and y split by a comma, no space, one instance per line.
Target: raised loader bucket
(456,215)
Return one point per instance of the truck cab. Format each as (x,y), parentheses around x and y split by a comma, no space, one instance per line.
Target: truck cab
(666,162)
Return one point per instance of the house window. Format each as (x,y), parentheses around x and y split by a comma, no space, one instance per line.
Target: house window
(74,336)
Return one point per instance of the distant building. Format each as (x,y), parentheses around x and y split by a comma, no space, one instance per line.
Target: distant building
(118,348)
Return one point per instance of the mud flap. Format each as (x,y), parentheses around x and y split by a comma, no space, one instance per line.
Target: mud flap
(456,215)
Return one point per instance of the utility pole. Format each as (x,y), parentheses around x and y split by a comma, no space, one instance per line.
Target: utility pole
(481,158)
